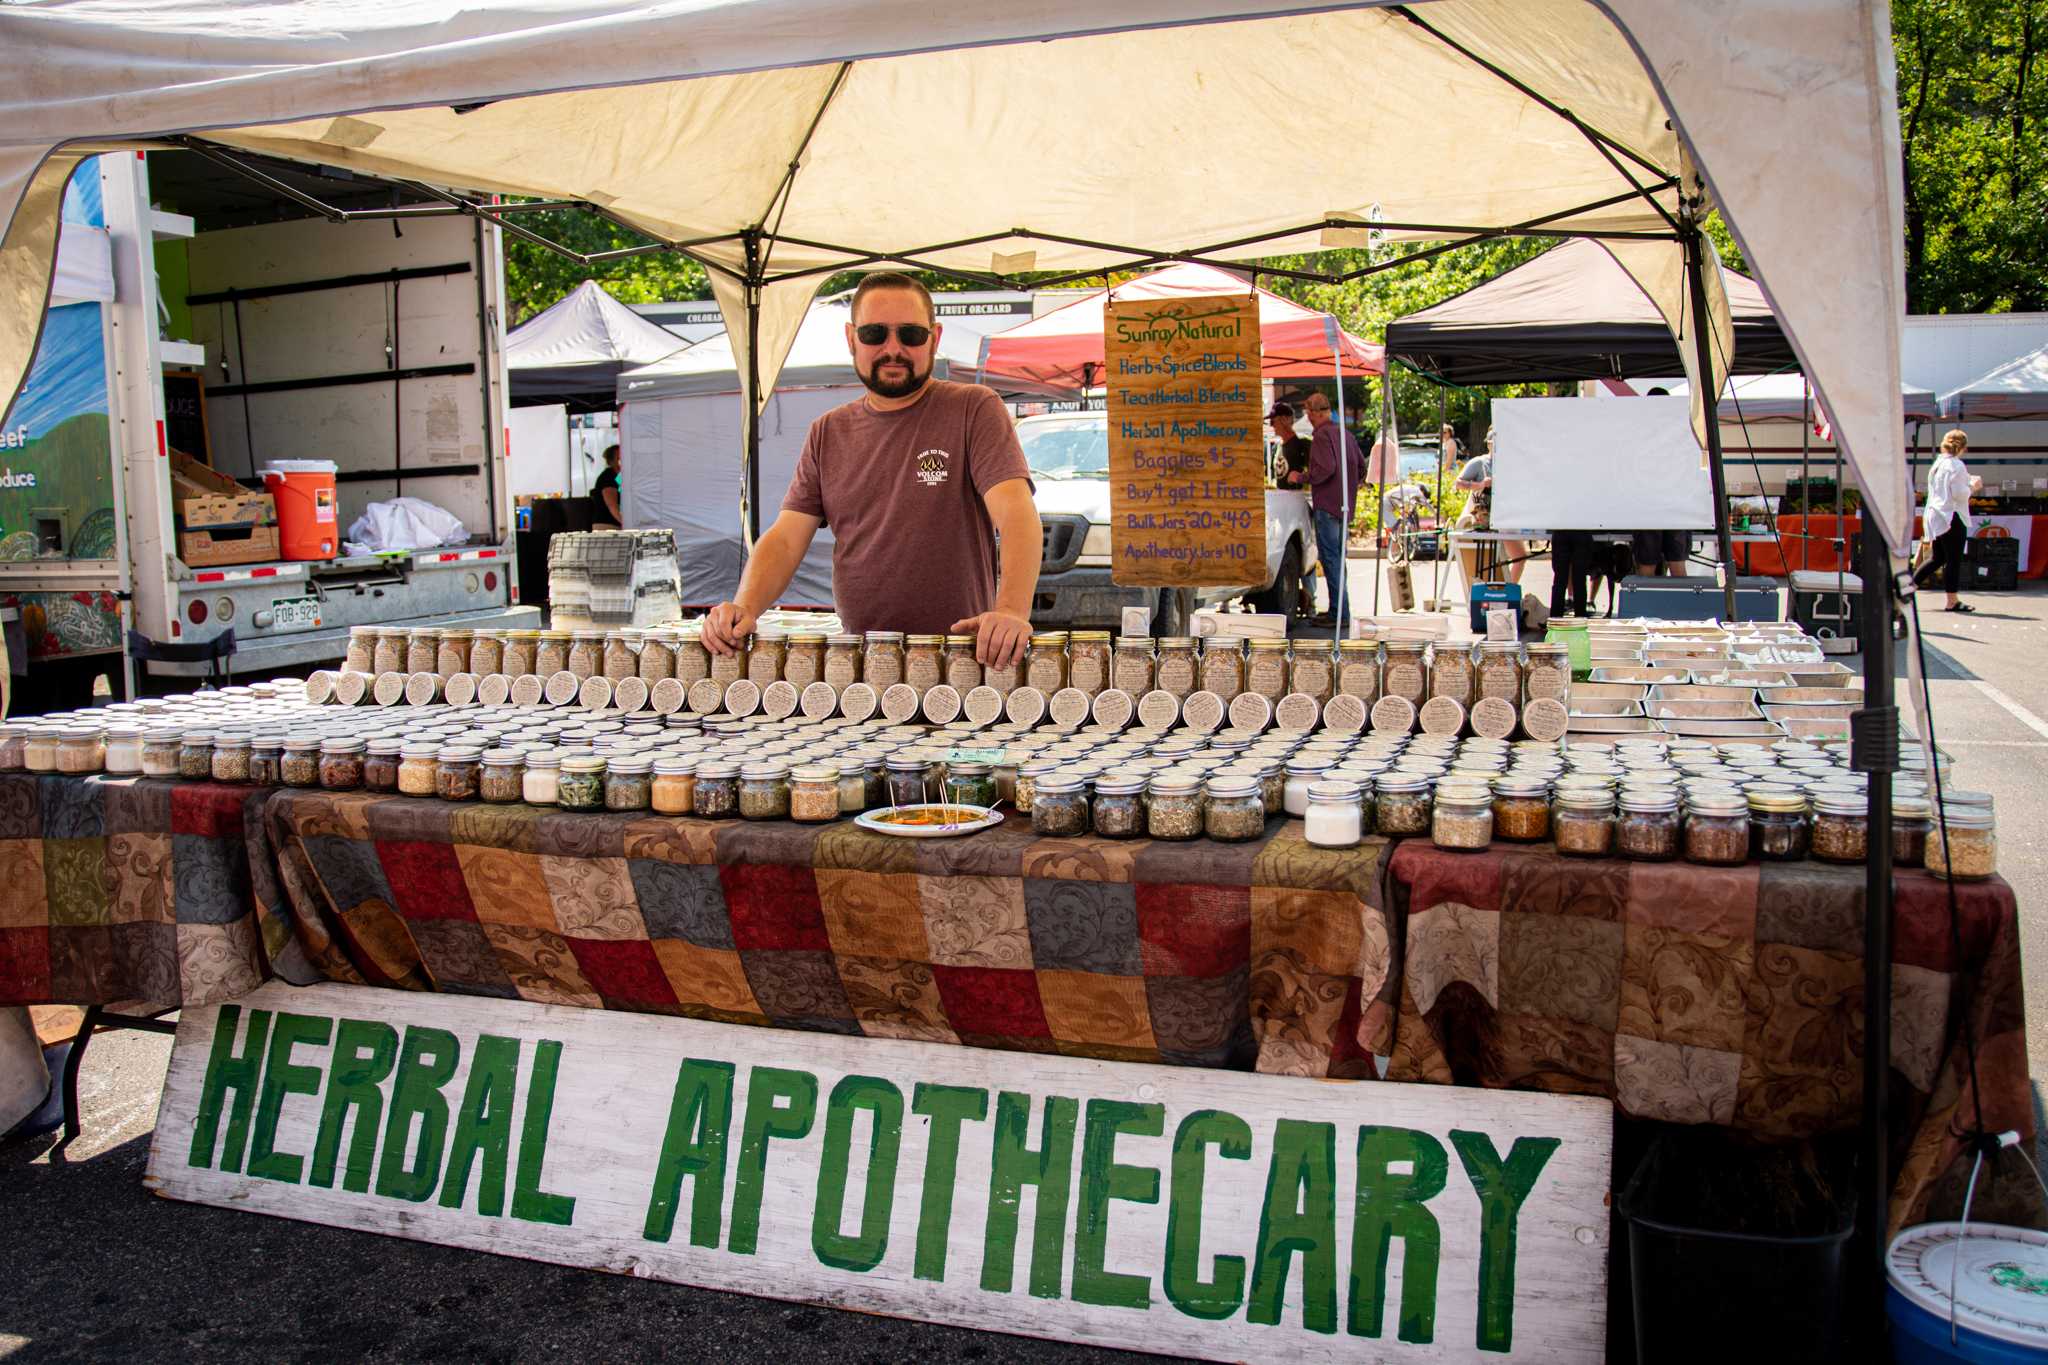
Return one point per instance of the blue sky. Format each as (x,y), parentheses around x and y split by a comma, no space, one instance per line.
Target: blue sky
(69,373)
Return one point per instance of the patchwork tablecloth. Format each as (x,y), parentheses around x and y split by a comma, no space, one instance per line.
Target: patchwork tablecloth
(1270,953)
(125,891)
(1728,996)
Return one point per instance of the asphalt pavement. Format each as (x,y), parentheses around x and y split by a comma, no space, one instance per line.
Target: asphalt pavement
(97,1268)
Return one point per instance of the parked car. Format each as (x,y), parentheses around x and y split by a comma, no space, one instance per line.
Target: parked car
(1069,458)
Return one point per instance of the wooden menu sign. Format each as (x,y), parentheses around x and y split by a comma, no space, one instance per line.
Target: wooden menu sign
(1186,446)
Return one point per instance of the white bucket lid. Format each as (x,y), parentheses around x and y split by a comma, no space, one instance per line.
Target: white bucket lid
(283,467)
(2000,1274)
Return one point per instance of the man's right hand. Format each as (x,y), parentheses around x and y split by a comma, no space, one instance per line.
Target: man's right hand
(727,627)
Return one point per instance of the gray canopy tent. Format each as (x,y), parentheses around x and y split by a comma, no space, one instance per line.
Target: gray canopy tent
(1625,121)
(575,351)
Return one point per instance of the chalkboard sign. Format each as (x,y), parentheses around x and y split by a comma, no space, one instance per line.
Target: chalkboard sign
(185,414)
(1186,453)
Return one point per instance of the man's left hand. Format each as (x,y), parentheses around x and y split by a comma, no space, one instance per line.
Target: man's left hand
(999,637)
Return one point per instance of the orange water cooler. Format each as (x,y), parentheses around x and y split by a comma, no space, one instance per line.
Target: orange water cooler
(308,526)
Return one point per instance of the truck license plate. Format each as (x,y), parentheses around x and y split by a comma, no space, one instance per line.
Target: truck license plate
(295,613)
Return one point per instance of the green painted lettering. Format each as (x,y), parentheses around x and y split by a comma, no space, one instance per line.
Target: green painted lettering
(865,1249)
(1392,1205)
(1214,1299)
(531,1203)
(1299,1218)
(364,1050)
(947,1106)
(693,1148)
(281,1077)
(226,1071)
(1103,1180)
(780,1104)
(1012,1166)
(426,1061)
(483,1126)
(1502,1187)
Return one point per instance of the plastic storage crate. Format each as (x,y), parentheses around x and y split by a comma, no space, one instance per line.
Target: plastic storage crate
(1991,564)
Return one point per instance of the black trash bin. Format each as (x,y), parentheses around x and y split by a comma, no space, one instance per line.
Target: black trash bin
(1704,1290)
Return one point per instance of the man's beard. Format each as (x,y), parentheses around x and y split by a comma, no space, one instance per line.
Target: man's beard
(902,388)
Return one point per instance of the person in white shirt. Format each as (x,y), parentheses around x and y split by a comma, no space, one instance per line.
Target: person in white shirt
(1944,521)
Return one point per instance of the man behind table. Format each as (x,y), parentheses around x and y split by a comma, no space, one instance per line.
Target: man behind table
(916,478)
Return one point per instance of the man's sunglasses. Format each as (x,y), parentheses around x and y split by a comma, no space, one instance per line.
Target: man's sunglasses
(909,333)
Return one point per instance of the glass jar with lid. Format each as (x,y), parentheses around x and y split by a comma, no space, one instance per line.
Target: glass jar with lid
(1647,829)
(502,778)
(764,660)
(621,655)
(1548,674)
(417,766)
(161,746)
(551,653)
(381,758)
(1272,783)
(628,782)
(1313,672)
(299,764)
(1045,662)
(83,749)
(1059,806)
(1303,772)
(924,661)
(1223,666)
(1778,828)
(1716,826)
(14,743)
(1265,669)
(728,668)
(1088,661)
(1028,776)
(458,772)
(764,791)
(452,654)
(388,650)
(521,649)
(1521,809)
(1118,808)
(1452,674)
(1358,670)
(1582,821)
(487,652)
(852,786)
(1175,672)
(1841,825)
(362,650)
(541,776)
(1173,806)
(422,650)
(341,763)
(814,793)
(803,661)
(970,784)
(579,785)
(195,756)
(693,660)
(231,757)
(1912,818)
(1404,675)
(1463,817)
(1405,803)
(1963,843)
(1234,810)
(959,668)
(842,661)
(123,749)
(882,659)
(1130,665)
(657,661)
(1333,818)
(913,779)
(1500,671)
(586,653)
(673,790)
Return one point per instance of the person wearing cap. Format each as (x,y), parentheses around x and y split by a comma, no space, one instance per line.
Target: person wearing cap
(1290,466)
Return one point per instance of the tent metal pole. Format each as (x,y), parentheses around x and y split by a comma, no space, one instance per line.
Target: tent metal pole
(1710,404)
(1874,751)
(1805,474)
(1338,590)
(754,405)
(1443,545)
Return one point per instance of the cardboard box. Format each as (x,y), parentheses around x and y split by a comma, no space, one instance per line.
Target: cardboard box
(207,500)
(228,545)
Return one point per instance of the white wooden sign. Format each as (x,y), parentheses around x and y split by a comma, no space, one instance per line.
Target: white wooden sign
(1198,1212)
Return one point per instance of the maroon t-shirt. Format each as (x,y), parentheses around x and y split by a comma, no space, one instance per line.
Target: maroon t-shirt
(902,491)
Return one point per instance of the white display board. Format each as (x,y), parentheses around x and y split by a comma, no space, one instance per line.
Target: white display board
(1584,464)
(1218,1214)
(537,461)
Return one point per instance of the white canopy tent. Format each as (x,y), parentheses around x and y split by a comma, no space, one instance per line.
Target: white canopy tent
(754,131)
(1787,398)
(2016,391)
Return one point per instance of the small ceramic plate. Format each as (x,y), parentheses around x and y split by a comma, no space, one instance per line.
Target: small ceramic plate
(984,818)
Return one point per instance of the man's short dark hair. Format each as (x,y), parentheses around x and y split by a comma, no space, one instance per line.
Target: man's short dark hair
(894,279)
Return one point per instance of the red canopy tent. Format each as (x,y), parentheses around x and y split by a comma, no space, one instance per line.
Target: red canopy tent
(1064,348)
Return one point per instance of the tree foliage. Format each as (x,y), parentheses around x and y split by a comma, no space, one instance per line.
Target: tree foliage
(537,278)
(1972,99)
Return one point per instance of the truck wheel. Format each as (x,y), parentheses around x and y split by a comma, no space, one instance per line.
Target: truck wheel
(1169,613)
(1284,597)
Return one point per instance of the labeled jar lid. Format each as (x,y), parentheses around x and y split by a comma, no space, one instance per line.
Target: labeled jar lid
(1344,714)
(1158,710)
(705,696)
(778,699)
(1493,717)
(1393,715)
(982,706)
(1202,711)
(1068,708)
(1440,715)
(899,703)
(941,704)
(1297,712)
(818,700)
(319,687)
(1251,710)
(596,692)
(857,702)
(1025,706)
(742,697)
(561,688)
(1545,718)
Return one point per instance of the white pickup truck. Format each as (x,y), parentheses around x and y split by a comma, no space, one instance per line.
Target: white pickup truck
(1069,458)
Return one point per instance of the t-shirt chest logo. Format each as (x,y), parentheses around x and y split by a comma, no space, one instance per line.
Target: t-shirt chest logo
(931,467)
